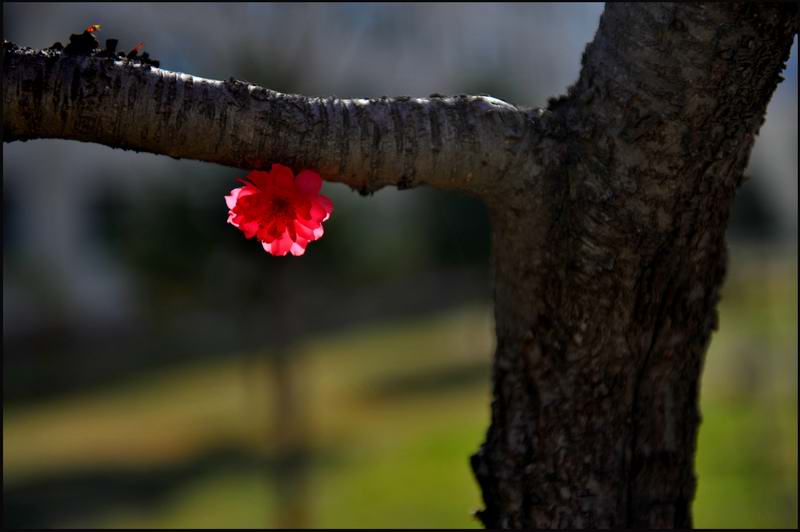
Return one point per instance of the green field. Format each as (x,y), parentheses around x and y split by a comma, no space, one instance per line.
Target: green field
(391,414)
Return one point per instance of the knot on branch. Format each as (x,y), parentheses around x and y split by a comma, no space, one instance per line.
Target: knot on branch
(86,44)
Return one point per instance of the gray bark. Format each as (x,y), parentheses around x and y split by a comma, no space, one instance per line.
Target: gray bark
(446,142)
(608,211)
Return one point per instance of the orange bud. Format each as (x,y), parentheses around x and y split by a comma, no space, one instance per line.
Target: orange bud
(93,28)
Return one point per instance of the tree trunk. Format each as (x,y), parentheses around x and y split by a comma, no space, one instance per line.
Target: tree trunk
(606,299)
(608,212)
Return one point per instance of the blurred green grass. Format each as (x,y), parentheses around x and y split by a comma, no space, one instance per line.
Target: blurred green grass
(400,459)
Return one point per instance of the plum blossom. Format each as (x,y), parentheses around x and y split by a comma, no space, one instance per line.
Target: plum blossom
(282,211)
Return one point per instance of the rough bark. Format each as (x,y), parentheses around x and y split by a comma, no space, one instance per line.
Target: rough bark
(446,142)
(608,210)
(605,303)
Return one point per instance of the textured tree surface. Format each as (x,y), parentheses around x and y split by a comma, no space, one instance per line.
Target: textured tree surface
(608,209)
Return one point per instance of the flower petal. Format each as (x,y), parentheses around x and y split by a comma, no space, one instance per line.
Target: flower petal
(309,182)
(282,176)
(298,247)
(250,229)
(248,190)
(303,231)
(326,203)
(260,179)
(230,201)
(318,213)
(281,246)
(270,231)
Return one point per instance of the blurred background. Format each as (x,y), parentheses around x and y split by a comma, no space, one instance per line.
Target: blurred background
(160,370)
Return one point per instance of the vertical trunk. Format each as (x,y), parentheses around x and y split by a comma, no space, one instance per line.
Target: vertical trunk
(594,420)
(606,291)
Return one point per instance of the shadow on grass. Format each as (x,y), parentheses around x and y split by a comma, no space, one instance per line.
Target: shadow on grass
(78,497)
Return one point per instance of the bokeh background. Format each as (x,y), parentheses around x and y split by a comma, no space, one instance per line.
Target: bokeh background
(162,371)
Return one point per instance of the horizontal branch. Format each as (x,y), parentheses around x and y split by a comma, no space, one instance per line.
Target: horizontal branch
(465,143)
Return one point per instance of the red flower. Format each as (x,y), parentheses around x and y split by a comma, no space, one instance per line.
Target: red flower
(283,212)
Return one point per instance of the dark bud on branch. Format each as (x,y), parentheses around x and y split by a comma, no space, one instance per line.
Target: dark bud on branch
(83,44)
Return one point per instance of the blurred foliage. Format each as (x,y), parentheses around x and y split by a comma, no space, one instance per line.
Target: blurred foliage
(455,227)
(201,436)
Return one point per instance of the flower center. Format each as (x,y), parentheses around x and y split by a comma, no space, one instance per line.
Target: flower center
(280,206)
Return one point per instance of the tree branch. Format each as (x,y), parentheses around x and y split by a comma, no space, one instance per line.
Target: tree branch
(445,142)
